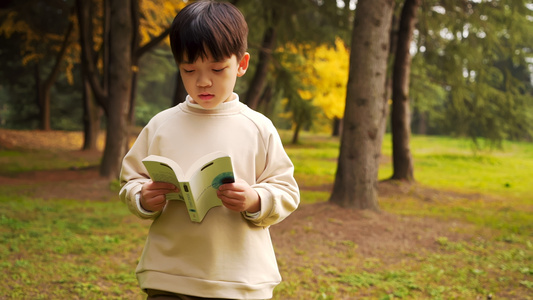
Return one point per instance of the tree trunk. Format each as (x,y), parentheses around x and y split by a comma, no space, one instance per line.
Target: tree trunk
(393,37)
(120,74)
(356,178)
(91,118)
(400,114)
(260,76)
(296,133)
(112,90)
(179,92)
(337,127)
(46,86)
(44,99)
(422,122)
(133,94)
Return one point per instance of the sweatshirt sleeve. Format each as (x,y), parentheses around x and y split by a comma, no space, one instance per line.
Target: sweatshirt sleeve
(276,185)
(133,175)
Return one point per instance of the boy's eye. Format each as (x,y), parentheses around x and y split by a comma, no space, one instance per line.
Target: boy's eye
(218,70)
(187,71)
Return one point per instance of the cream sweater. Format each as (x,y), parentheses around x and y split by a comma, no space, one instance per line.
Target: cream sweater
(229,254)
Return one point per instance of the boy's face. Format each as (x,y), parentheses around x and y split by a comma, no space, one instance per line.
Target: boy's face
(211,82)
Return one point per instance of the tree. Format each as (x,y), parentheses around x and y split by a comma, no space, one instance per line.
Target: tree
(293,86)
(312,80)
(45,86)
(280,22)
(125,38)
(46,43)
(357,167)
(471,69)
(255,89)
(151,25)
(331,74)
(113,91)
(402,159)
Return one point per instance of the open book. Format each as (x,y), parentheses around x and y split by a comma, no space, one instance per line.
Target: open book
(198,185)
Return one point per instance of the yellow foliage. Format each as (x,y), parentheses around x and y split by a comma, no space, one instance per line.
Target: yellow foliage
(326,75)
(157,15)
(331,66)
(11,25)
(305,94)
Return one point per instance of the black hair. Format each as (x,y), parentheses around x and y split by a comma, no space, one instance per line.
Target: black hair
(203,27)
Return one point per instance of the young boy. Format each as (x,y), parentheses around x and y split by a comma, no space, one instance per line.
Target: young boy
(229,254)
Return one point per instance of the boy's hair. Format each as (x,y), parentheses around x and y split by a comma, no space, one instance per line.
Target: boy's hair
(208,27)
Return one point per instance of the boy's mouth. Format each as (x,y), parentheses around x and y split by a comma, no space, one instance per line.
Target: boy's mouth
(205,96)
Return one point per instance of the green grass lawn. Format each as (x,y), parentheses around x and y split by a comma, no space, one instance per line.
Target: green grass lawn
(68,249)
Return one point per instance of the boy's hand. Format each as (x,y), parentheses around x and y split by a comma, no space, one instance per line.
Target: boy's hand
(153,195)
(239,196)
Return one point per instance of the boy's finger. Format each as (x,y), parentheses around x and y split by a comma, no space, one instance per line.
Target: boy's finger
(163,185)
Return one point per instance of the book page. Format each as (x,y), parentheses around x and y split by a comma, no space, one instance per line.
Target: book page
(205,182)
(166,170)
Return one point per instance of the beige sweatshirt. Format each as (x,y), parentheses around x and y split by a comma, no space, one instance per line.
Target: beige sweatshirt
(229,254)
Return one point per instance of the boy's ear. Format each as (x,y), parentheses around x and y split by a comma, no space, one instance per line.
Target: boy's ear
(243,64)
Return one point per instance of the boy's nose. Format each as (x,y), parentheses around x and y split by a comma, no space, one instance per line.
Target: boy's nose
(203,81)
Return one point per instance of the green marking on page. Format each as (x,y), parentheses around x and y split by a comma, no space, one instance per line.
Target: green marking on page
(222,178)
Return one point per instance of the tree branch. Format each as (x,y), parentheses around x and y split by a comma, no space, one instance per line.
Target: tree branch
(55,70)
(146,47)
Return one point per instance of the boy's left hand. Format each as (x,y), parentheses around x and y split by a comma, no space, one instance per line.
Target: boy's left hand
(239,196)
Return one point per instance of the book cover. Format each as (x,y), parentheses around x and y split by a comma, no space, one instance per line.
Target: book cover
(198,185)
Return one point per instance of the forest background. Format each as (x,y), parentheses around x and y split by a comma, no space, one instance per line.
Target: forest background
(320,69)
(470,74)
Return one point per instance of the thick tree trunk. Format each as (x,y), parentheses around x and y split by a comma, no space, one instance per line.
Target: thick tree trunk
(113,90)
(120,75)
(255,90)
(356,178)
(400,114)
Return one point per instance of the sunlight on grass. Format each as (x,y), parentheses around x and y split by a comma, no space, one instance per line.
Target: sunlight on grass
(13,162)
(439,162)
(66,249)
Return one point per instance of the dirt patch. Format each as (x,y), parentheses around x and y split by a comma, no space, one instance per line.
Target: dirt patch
(321,227)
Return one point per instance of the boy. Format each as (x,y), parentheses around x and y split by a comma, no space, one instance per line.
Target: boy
(229,254)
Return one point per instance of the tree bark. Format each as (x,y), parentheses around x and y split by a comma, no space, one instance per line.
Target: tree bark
(113,89)
(120,74)
(400,115)
(88,57)
(255,90)
(91,118)
(355,184)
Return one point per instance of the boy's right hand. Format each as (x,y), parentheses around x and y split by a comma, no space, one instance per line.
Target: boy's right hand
(153,195)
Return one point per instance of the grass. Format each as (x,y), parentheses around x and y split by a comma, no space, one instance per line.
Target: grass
(440,162)
(67,248)
(54,249)
(15,162)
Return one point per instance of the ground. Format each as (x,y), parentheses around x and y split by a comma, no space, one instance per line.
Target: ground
(384,236)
